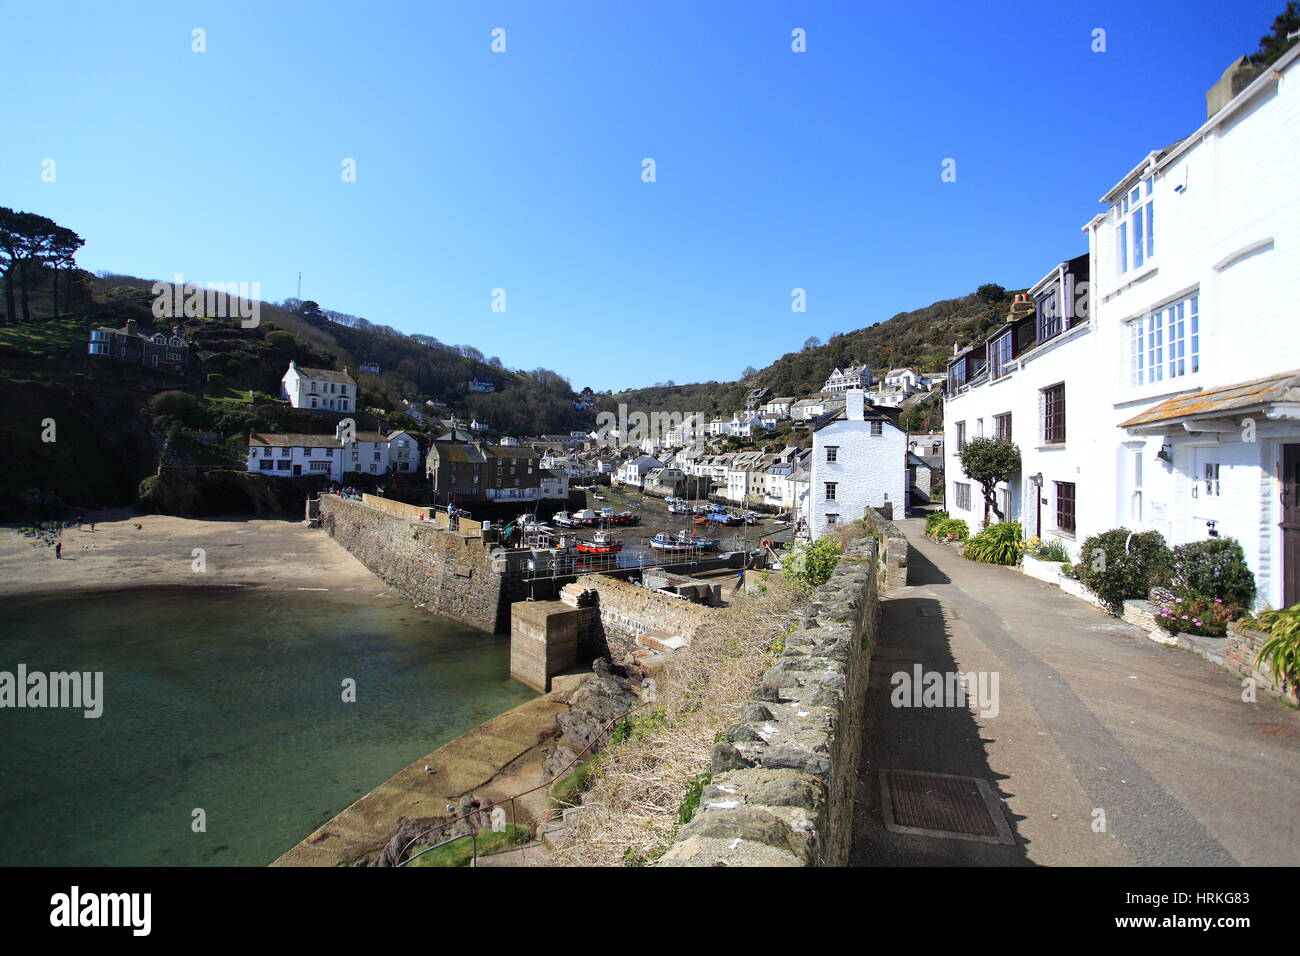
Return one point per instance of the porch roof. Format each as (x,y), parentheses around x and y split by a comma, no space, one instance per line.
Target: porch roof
(1283,388)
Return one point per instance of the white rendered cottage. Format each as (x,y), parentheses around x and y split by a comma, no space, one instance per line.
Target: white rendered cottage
(319,388)
(859,460)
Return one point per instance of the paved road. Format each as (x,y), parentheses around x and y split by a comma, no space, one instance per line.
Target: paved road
(1093,716)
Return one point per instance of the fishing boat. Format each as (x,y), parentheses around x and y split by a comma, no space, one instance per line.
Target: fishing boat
(586,518)
(602,542)
(564,520)
(699,519)
(723,518)
(664,541)
(704,544)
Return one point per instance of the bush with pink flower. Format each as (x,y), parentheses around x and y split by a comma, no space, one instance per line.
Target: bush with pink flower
(1195,614)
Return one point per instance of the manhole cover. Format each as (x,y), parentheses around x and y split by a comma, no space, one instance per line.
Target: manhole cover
(942,805)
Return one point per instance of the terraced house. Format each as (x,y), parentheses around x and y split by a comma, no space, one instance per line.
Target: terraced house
(1164,394)
(478,471)
(152,349)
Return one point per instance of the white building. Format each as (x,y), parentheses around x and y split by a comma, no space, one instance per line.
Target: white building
(293,455)
(858,461)
(404,452)
(319,388)
(1175,404)
(856,377)
(632,471)
(554,484)
(1034,382)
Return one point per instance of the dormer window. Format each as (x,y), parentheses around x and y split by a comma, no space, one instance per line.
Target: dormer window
(1135,237)
(160,339)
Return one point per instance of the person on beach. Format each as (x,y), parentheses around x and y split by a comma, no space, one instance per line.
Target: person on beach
(58,549)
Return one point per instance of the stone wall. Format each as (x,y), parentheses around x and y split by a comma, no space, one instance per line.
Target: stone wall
(893,567)
(450,573)
(784,776)
(1239,657)
(628,612)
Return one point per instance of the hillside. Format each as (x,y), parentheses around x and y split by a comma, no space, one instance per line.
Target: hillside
(922,339)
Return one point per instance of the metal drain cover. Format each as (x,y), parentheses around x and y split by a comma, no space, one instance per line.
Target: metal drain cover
(942,805)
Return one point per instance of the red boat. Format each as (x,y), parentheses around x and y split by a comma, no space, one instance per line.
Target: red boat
(602,542)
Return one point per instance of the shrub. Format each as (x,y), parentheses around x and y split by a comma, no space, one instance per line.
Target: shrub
(932,520)
(989,462)
(997,544)
(1196,614)
(179,407)
(1119,564)
(1215,568)
(216,379)
(811,564)
(1281,653)
(953,526)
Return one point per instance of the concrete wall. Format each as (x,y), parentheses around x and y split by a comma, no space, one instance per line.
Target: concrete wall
(449,572)
(784,776)
(543,641)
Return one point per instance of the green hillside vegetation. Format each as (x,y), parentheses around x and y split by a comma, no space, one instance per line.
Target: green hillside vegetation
(922,339)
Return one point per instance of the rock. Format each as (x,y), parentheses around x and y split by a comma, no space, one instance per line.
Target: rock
(559,762)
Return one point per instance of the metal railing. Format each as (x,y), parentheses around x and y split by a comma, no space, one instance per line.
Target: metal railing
(488,807)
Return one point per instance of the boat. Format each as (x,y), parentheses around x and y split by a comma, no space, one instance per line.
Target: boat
(750,517)
(664,541)
(704,544)
(564,520)
(722,517)
(586,518)
(699,519)
(625,518)
(602,542)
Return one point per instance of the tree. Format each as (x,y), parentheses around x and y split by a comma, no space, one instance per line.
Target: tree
(61,252)
(1279,41)
(749,372)
(811,342)
(990,461)
(991,292)
(11,249)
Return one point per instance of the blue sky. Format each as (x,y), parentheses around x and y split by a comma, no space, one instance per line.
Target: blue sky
(523,170)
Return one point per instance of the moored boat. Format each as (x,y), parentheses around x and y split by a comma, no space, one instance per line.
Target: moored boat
(664,541)
(602,542)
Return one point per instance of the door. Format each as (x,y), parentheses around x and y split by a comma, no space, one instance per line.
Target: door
(1290,525)
(1207,492)
(297,470)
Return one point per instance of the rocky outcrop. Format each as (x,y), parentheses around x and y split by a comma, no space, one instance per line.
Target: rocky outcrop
(600,700)
(783,776)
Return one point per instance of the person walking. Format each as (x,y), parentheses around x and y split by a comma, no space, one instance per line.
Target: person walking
(58,549)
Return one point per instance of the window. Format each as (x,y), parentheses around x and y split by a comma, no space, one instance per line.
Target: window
(1135,235)
(831,519)
(961,435)
(963,495)
(832,452)
(1052,403)
(266,465)
(830,490)
(1135,497)
(1211,479)
(1049,314)
(282,464)
(1000,352)
(1002,427)
(877,429)
(1167,343)
(1065,506)
(320,466)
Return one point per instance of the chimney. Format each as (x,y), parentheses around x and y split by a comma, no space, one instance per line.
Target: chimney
(853,404)
(131,327)
(1235,78)
(1021,306)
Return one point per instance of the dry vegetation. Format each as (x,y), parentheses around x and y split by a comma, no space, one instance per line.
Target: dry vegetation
(636,788)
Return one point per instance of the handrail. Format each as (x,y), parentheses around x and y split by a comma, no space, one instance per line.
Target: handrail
(429,849)
(489,806)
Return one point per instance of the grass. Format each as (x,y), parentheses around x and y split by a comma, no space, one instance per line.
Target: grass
(566,790)
(46,338)
(461,852)
(635,795)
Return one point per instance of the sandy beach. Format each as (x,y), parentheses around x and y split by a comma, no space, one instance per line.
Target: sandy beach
(128,550)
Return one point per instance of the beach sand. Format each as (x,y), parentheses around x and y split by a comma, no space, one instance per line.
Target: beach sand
(253,552)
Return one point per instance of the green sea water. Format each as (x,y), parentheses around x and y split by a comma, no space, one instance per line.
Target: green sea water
(228,700)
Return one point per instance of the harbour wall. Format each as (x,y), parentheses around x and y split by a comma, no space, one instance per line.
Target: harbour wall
(447,569)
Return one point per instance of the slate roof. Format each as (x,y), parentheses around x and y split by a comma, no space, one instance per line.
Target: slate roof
(1284,387)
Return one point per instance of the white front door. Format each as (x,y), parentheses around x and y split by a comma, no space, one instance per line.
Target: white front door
(1206,490)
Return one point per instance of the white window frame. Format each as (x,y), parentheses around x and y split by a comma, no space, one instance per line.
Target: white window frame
(1134,227)
(1165,344)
